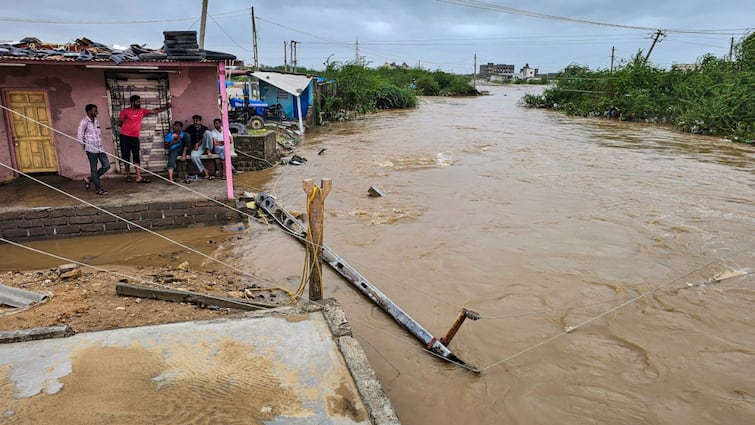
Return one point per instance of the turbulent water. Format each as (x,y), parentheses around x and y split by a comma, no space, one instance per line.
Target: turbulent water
(541,223)
(636,239)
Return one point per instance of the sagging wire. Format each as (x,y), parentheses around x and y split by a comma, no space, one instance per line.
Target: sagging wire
(616,308)
(309,268)
(113,272)
(243,272)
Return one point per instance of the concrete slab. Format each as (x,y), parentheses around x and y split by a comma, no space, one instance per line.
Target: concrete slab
(277,367)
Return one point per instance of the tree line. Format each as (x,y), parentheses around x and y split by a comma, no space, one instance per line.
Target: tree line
(715,96)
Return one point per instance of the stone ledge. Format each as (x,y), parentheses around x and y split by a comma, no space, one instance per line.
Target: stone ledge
(73,221)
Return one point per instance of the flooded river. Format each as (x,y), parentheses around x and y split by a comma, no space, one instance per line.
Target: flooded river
(636,238)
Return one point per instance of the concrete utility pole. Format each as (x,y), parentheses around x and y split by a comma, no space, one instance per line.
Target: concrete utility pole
(285,52)
(613,55)
(293,54)
(203,25)
(254,42)
(731,49)
(658,35)
(315,211)
(474,73)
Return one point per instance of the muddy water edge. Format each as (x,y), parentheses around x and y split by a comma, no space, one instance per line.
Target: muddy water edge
(635,238)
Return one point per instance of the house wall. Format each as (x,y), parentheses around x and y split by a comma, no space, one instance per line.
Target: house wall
(70,87)
(195,91)
(271,94)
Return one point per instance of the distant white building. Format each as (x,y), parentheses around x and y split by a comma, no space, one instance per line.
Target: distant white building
(526,73)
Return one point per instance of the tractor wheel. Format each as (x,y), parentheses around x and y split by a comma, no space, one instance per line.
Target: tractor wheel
(256,123)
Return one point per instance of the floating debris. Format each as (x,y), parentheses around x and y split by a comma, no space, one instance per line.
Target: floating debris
(375,192)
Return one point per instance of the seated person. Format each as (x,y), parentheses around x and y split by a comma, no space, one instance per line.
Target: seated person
(175,142)
(201,144)
(218,143)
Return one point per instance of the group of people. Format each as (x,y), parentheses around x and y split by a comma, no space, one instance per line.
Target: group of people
(196,140)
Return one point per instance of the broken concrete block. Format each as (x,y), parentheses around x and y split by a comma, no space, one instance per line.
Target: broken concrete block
(71,274)
(237,227)
(375,192)
(65,268)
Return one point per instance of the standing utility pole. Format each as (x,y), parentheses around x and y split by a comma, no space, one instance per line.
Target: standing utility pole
(285,60)
(731,49)
(203,24)
(293,54)
(474,73)
(613,55)
(658,35)
(254,42)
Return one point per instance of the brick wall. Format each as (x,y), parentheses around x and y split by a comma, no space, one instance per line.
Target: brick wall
(64,222)
(255,152)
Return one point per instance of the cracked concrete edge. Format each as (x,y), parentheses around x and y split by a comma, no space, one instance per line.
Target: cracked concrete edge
(370,390)
(7,337)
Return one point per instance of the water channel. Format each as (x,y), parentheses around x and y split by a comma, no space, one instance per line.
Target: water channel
(636,238)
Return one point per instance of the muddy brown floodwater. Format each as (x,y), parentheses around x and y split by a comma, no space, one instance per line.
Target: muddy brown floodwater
(636,238)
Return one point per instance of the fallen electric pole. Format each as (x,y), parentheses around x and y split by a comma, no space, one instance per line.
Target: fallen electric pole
(297,229)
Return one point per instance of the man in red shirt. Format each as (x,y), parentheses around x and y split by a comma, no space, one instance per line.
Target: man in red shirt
(130,121)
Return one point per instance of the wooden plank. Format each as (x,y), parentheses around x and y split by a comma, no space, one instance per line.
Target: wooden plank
(131,290)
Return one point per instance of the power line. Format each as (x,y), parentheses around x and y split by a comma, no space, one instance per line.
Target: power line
(492,7)
(95,22)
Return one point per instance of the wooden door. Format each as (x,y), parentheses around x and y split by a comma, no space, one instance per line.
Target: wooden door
(35,151)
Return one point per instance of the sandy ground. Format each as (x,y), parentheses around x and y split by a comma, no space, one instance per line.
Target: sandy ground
(87,301)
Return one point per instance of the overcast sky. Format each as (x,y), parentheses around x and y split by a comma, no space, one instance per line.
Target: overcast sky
(546,34)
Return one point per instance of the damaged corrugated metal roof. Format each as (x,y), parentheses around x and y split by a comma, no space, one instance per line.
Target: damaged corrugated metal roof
(290,83)
(179,46)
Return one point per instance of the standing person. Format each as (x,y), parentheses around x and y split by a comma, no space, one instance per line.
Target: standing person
(130,121)
(218,143)
(90,137)
(175,142)
(201,144)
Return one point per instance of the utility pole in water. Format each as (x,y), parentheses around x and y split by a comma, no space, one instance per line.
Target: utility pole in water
(474,73)
(658,35)
(203,24)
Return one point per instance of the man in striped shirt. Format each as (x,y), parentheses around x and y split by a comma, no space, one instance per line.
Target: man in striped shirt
(90,137)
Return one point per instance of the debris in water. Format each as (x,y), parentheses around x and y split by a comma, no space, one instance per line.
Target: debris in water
(375,192)
(728,275)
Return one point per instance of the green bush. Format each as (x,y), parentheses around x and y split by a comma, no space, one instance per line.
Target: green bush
(715,97)
(356,88)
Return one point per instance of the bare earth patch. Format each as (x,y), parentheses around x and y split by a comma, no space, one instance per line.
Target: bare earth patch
(88,302)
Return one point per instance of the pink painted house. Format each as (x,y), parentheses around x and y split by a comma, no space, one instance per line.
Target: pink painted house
(44,89)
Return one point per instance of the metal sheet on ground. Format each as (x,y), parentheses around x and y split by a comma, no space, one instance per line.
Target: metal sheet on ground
(270,370)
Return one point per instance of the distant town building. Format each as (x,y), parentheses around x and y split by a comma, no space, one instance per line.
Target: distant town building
(497,70)
(526,73)
(684,66)
(393,65)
